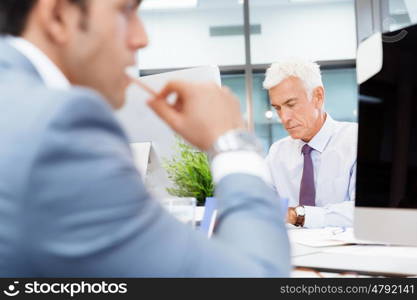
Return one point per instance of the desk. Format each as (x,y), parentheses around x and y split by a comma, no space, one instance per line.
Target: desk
(372,260)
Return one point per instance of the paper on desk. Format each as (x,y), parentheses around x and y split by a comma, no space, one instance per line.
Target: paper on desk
(313,237)
(301,250)
(348,237)
(376,251)
(325,237)
(300,273)
(322,243)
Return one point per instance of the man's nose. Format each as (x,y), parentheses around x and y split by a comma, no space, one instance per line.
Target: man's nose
(138,38)
(285,116)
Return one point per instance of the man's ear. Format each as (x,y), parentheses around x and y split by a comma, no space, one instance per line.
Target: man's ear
(318,97)
(59,19)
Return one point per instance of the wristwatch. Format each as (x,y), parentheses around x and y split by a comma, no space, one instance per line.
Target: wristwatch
(235,140)
(300,213)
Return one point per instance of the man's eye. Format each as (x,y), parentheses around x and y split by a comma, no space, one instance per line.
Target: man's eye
(128,8)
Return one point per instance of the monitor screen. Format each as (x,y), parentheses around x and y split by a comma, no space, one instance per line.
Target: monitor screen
(387,142)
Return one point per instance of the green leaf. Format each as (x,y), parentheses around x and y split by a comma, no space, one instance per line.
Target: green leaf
(189,170)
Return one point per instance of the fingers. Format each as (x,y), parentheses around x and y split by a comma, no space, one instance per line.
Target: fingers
(166,112)
(191,98)
(175,86)
(170,114)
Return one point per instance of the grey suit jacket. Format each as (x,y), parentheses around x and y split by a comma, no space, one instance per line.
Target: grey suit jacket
(72,203)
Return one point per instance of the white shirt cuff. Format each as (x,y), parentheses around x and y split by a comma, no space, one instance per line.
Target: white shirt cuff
(314,217)
(242,162)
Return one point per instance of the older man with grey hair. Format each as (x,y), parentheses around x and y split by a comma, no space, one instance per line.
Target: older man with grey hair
(314,168)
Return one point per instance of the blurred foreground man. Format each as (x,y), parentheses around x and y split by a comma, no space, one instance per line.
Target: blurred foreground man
(314,168)
(71,201)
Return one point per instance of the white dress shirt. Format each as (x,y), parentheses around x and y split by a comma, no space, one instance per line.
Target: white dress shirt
(49,72)
(222,165)
(334,163)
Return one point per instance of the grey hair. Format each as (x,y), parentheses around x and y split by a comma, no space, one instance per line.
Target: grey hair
(307,71)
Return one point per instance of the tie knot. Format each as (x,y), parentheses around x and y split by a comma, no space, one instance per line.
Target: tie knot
(306,149)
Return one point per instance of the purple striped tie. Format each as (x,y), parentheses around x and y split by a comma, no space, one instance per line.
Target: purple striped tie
(307,189)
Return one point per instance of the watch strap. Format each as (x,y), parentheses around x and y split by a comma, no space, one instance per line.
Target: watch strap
(235,140)
(300,218)
(300,221)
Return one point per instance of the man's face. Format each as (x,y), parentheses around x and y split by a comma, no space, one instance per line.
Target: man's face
(103,42)
(298,113)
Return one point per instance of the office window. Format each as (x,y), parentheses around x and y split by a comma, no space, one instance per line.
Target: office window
(236,83)
(186,33)
(211,32)
(402,13)
(340,102)
(318,30)
(341,94)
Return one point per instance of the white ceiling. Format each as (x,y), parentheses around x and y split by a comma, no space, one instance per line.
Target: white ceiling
(219,4)
(255,3)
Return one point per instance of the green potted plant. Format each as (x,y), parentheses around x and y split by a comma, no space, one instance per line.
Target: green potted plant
(189,172)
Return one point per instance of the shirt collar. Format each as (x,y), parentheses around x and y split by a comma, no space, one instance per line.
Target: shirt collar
(322,138)
(51,75)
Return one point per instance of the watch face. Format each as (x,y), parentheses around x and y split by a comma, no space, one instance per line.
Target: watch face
(299,210)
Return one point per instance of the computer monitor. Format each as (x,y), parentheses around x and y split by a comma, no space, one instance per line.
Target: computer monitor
(386,186)
(142,125)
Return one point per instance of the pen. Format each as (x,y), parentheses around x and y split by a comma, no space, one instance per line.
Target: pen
(144,86)
(338,230)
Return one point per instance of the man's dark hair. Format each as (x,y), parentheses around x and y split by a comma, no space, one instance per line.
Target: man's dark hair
(14,14)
